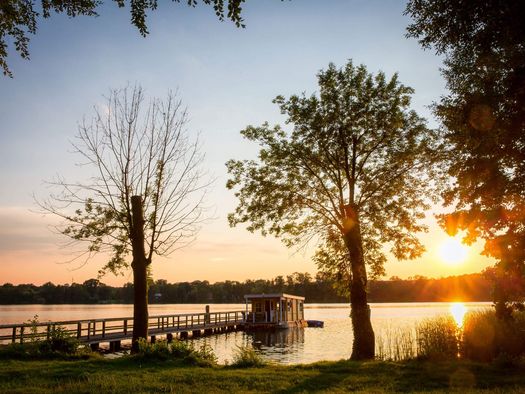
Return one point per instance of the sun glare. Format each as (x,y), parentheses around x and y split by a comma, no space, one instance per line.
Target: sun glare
(458,310)
(452,251)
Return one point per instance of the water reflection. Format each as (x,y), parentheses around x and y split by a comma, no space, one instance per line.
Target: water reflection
(292,346)
(279,342)
(458,311)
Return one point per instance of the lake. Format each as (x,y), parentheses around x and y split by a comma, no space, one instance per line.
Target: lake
(291,346)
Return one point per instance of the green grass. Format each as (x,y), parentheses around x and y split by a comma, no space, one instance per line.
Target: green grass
(128,375)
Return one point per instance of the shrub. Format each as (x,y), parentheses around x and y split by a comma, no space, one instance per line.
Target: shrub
(487,338)
(246,356)
(59,341)
(177,350)
(438,338)
(58,344)
(157,350)
(19,351)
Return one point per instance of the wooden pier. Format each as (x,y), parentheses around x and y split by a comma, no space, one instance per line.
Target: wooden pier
(113,330)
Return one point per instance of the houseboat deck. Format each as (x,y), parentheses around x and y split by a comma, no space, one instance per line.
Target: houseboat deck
(276,310)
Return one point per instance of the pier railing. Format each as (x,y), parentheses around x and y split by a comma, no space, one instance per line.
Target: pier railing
(107,329)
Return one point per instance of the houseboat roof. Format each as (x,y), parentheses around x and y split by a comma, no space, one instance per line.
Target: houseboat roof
(273,295)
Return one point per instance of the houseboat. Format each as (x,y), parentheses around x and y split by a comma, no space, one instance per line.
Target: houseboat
(266,311)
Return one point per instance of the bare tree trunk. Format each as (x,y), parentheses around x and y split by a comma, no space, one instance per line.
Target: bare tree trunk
(140,274)
(364,340)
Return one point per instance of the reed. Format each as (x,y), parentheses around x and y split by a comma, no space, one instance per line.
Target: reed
(487,338)
(396,343)
(438,338)
(246,357)
(483,337)
(433,338)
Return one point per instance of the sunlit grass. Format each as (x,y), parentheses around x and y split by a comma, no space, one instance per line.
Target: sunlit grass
(127,375)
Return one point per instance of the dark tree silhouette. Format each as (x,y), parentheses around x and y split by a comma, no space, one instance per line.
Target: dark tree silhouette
(483,119)
(19,18)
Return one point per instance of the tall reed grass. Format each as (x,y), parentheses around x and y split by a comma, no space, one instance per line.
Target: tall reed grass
(482,337)
(438,338)
(396,343)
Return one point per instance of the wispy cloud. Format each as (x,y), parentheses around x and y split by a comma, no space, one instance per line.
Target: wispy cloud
(23,230)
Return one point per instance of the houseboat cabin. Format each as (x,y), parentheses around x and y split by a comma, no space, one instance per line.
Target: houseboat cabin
(274,310)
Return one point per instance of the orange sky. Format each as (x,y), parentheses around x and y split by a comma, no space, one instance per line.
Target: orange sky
(31,253)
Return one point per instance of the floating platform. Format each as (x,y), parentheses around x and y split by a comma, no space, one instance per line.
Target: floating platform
(315,323)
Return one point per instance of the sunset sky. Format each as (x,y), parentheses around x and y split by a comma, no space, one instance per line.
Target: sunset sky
(227,77)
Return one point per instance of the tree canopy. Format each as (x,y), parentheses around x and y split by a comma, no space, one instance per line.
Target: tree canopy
(353,174)
(19,18)
(483,118)
(357,143)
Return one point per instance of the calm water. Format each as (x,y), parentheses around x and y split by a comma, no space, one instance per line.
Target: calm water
(292,346)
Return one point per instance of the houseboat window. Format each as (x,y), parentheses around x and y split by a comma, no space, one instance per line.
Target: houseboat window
(258,307)
(289,305)
(301,306)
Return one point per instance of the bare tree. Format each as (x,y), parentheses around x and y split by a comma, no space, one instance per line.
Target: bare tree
(145,197)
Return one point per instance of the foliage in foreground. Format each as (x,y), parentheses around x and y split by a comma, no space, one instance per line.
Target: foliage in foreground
(20,19)
(57,344)
(438,338)
(482,338)
(124,375)
(487,338)
(176,350)
(247,356)
(482,117)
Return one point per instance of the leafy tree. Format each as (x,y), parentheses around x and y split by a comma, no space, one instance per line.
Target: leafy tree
(350,173)
(146,195)
(18,18)
(483,117)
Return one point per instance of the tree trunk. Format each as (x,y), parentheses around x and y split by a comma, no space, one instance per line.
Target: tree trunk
(501,300)
(364,340)
(140,274)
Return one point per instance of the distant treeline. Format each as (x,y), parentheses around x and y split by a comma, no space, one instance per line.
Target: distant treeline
(473,287)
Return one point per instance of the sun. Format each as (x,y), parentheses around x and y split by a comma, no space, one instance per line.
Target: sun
(452,251)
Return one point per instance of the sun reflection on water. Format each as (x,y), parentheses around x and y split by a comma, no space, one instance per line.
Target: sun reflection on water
(458,311)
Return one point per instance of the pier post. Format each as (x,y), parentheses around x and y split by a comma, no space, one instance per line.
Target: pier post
(169,337)
(114,346)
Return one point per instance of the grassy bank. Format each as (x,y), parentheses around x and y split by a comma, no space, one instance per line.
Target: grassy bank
(127,375)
